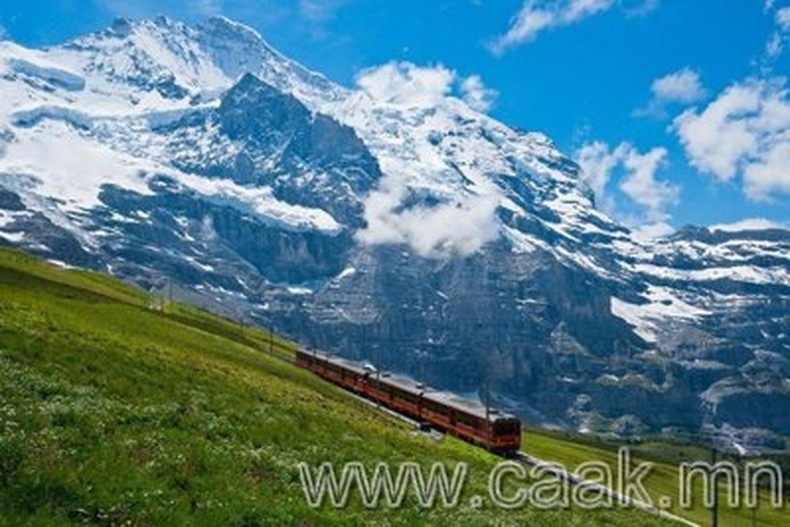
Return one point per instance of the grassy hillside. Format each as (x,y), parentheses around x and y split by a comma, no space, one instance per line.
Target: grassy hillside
(570,450)
(114,414)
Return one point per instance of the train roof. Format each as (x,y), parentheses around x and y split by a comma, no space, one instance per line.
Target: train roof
(411,385)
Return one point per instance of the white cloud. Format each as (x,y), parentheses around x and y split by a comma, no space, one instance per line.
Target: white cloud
(536,16)
(744,132)
(637,8)
(639,184)
(315,16)
(179,8)
(475,93)
(433,224)
(406,83)
(717,138)
(783,19)
(776,42)
(208,7)
(681,87)
(770,173)
(749,224)
(775,45)
(597,162)
(319,10)
(652,231)
(460,226)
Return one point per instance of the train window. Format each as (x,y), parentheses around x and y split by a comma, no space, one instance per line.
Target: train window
(507,427)
(400,393)
(436,407)
(470,420)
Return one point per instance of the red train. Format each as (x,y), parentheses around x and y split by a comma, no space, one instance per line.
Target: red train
(468,420)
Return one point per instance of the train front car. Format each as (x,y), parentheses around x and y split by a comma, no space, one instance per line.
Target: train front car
(304,359)
(472,421)
(505,436)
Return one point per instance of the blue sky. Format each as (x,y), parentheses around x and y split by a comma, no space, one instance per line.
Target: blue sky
(678,109)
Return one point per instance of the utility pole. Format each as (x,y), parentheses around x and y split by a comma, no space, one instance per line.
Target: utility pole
(378,378)
(487,396)
(743,486)
(364,340)
(714,511)
(376,353)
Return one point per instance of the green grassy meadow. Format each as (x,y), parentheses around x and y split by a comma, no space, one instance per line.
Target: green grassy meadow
(571,450)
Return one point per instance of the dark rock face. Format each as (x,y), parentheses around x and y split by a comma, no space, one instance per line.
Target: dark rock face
(40,236)
(311,159)
(227,237)
(529,328)
(10,201)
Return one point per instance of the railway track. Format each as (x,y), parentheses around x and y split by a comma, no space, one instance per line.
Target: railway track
(574,479)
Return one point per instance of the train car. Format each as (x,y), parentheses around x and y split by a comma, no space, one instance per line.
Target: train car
(468,420)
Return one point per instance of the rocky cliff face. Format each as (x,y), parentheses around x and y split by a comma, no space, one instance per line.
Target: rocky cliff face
(424,237)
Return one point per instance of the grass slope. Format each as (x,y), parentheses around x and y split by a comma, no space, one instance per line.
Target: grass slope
(113,414)
(570,450)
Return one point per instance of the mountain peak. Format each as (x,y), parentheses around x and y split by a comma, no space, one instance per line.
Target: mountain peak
(201,59)
(122,26)
(221,25)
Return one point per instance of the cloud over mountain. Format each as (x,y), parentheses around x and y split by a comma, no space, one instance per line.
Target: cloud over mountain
(638,183)
(744,133)
(681,87)
(538,16)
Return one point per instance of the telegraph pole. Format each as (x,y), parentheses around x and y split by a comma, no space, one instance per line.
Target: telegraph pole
(714,511)
(487,396)
(378,377)
(373,323)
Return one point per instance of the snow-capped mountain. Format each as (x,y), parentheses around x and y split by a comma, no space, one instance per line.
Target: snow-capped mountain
(416,233)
